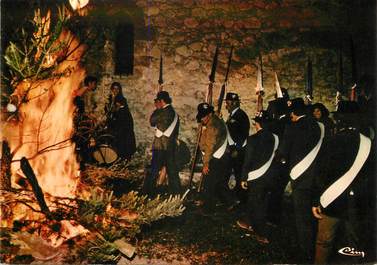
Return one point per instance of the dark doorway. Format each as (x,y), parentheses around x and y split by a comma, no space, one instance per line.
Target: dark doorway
(124,49)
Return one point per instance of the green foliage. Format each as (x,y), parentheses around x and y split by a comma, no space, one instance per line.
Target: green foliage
(101,251)
(128,212)
(27,59)
(95,205)
(150,210)
(121,218)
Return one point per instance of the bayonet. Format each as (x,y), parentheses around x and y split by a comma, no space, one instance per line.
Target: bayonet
(223,87)
(160,79)
(212,77)
(354,72)
(339,78)
(309,81)
(279,94)
(259,88)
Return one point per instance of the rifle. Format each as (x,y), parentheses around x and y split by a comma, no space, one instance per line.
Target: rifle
(339,79)
(209,101)
(222,91)
(160,80)
(259,88)
(211,77)
(354,72)
(309,82)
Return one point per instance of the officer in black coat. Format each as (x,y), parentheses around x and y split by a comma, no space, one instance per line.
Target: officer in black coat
(342,188)
(238,125)
(259,171)
(299,148)
(279,113)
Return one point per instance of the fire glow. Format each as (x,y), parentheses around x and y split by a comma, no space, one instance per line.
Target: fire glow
(45,124)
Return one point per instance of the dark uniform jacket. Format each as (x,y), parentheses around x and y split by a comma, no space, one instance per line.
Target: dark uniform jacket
(329,126)
(213,137)
(299,139)
(259,149)
(238,126)
(338,156)
(162,119)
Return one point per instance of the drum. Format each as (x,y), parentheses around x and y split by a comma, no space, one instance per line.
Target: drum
(104,152)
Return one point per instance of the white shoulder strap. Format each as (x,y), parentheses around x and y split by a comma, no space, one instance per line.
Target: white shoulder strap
(339,186)
(169,130)
(260,171)
(304,164)
(220,152)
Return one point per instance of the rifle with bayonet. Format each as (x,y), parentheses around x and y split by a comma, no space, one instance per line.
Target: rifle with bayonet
(259,88)
(211,77)
(209,101)
(354,72)
(160,79)
(309,82)
(222,91)
(339,79)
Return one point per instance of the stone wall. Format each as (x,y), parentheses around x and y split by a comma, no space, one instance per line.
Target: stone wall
(187,32)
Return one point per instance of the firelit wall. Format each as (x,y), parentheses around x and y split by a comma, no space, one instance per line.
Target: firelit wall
(285,33)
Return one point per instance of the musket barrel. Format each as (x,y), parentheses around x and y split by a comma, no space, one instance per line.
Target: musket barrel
(214,66)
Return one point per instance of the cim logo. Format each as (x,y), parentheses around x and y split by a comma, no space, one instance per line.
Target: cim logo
(348,251)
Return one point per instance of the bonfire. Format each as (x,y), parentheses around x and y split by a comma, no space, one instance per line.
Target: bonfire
(45,200)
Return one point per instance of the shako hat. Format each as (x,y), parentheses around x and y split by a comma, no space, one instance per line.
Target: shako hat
(203,110)
(232,96)
(163,95)
(297,106)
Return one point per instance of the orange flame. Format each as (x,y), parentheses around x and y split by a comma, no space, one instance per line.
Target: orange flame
(45,127)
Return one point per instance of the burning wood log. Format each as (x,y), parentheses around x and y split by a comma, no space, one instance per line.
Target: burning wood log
(6,158)
(29,173)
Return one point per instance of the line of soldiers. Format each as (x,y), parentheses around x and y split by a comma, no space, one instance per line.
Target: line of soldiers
(328,163)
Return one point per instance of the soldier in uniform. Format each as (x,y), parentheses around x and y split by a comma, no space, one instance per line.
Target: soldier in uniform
(238,127)
(299,148)
(278,112)
(342,186)
(259,171)
(213,144)
(166,122)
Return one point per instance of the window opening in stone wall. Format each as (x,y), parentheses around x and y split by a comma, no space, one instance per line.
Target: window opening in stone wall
(124,49)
